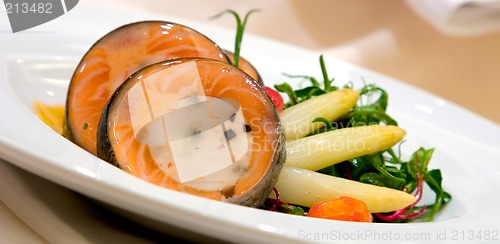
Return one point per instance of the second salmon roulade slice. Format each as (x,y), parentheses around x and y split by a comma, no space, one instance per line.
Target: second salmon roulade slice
(117,55)
(198,126)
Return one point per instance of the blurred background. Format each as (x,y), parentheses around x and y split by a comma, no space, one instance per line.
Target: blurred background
(448,47)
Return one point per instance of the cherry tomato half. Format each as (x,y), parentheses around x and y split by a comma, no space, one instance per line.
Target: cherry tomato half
(275,97)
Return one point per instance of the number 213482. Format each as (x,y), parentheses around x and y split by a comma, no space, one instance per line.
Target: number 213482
(25,8)
(478,235)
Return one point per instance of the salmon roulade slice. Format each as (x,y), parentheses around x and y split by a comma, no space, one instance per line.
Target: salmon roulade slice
(117,55)
(246,66)
(197,126)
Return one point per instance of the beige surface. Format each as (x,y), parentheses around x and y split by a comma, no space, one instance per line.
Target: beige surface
(464,70)
(15,230)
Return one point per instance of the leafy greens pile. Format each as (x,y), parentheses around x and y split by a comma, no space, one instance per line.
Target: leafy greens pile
(385,168)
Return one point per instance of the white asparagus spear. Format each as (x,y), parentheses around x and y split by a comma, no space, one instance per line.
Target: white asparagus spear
(325,149)
(297,120)
(304,187)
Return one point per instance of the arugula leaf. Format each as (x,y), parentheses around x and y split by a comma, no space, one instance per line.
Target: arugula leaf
(292,95)
(377,161)
(309,92)
(315,89)
(291,209)
(433,179)
(373,112)
(327,82)
(380,180)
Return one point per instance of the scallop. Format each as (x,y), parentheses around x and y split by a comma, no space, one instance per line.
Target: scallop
(198,126)
(116,56)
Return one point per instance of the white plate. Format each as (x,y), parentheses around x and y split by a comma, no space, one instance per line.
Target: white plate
(38,63)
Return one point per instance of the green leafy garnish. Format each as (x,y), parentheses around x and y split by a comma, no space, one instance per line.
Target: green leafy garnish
(316,89)
(283,207)
(386,168)
(240,29)
(374,111)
